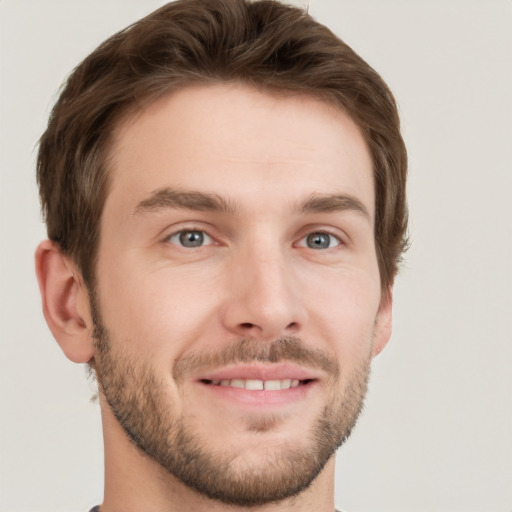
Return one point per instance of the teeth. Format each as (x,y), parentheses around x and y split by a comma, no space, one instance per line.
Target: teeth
(254,384)
(272,385)
(258,385)
(286,384)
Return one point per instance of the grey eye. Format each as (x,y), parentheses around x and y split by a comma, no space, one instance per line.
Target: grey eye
(190,238)
(321,241)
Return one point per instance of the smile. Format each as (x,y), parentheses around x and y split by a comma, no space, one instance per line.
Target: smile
(256,384)
(260,385)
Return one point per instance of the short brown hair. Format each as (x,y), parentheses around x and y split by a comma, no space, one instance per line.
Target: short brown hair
(262,43)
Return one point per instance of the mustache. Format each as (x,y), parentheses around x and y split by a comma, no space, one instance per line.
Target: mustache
(248,350)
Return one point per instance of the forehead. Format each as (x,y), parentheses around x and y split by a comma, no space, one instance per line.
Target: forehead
(231,139)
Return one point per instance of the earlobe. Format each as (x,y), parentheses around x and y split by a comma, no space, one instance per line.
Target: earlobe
(383,322)
(65,302)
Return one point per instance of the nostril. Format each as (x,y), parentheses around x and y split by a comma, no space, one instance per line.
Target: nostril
(247,325)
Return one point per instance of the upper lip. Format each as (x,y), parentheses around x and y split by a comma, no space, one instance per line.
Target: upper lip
(259,371)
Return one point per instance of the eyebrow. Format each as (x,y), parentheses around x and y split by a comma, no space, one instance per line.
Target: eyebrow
(166,198)
(169,198)
(332,203)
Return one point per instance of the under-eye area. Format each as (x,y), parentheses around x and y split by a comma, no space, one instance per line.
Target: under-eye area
(259,385)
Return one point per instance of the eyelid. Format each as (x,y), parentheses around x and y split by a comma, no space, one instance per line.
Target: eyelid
(342,238)
(335,233)
(303,240)
(167,239)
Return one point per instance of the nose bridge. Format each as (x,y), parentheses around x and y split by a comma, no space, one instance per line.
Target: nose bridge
(270,277)
(265,302)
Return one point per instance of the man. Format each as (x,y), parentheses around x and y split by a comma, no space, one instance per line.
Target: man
(224,188)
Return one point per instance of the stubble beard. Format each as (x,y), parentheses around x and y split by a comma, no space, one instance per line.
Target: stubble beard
(141,406)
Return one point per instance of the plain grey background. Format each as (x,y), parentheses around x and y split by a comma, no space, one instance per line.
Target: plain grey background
(436,435)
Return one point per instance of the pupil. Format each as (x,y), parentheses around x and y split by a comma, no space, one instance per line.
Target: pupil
(191,238)
(318,241)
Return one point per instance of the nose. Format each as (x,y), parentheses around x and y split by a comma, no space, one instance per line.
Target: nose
(263,299)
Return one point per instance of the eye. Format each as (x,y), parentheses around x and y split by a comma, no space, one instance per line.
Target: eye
(190,238)
(320,240)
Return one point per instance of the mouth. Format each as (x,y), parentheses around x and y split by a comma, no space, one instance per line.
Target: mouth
(260,385)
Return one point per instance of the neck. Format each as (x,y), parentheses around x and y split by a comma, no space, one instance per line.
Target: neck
(134,482)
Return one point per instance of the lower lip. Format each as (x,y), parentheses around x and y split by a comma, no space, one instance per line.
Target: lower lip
(259,397)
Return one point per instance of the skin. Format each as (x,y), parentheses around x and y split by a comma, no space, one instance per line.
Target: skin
(255,278)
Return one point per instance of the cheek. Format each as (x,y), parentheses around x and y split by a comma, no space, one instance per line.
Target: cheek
(344,312)
(159,311)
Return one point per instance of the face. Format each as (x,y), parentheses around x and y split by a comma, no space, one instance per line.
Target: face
(238,300)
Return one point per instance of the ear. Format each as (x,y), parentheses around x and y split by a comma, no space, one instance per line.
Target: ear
(383,321)
(65,302)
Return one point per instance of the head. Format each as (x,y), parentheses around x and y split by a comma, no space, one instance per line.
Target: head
(185,111)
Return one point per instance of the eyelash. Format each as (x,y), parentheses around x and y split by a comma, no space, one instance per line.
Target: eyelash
(181,232)
(331,236)
(209,240)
